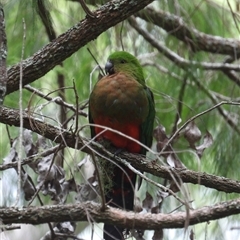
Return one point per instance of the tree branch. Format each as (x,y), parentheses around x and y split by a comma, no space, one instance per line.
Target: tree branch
(198,41)
(3,56)
(71,41)
(11,117)
(80,212)
(188,176)
(177,59)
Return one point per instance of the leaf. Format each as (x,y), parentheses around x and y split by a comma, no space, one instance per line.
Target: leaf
(155,209)
(162,139)
(175,186)
(64,227)
(158,235)
(50,178)
(192,133)
(207,142)
(88,191)
(174,161)
(191,236)
(169,154)
(27,187)
(66,187)
(13,155)
(171,160)
(29,147)
(41,143)
(137,234)
(137,205)
(147,203)
(83,162)
(160,133)
(161,195)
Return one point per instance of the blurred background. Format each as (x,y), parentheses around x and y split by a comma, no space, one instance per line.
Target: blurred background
(180,93)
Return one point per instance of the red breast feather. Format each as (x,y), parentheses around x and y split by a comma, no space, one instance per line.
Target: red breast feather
(119,102)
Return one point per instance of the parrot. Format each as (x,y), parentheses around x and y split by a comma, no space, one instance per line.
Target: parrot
(121,101)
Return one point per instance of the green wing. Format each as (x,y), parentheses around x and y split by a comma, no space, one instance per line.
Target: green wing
(146,134)
(93,134)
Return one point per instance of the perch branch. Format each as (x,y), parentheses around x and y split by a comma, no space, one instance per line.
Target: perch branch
(80,212)
(11,117)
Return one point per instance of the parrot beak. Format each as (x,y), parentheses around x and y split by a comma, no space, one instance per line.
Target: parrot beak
(109,69)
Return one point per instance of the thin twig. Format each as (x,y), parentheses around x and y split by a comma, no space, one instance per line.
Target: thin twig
(193,118)
(233,16)
(20,152)
(85,8)
(77,106)
(46,19)
(222,112)
(96,61)
(30,159)
(100,182)
(199,41)
(57,100)
(180,103)
(8,228)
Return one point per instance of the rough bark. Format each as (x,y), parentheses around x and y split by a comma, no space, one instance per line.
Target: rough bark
(12,117)
(198,41)
(80,212)
(71,41)
(3,56)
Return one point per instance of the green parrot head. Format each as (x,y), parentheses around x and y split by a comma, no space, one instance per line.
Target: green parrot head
(125,62)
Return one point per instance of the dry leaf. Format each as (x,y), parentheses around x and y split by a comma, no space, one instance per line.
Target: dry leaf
(29,147)
(158,235)
(147,203)
(207,142)
(192,133)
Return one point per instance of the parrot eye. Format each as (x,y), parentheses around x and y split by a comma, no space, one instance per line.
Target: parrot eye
(123,61)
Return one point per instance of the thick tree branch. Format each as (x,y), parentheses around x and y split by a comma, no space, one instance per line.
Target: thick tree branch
(3,56)
(177,59)
(80,212)
(71,41)
(11,117)
(198,41)
(188,176)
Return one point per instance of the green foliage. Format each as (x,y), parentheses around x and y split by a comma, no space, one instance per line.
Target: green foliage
(26,35)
